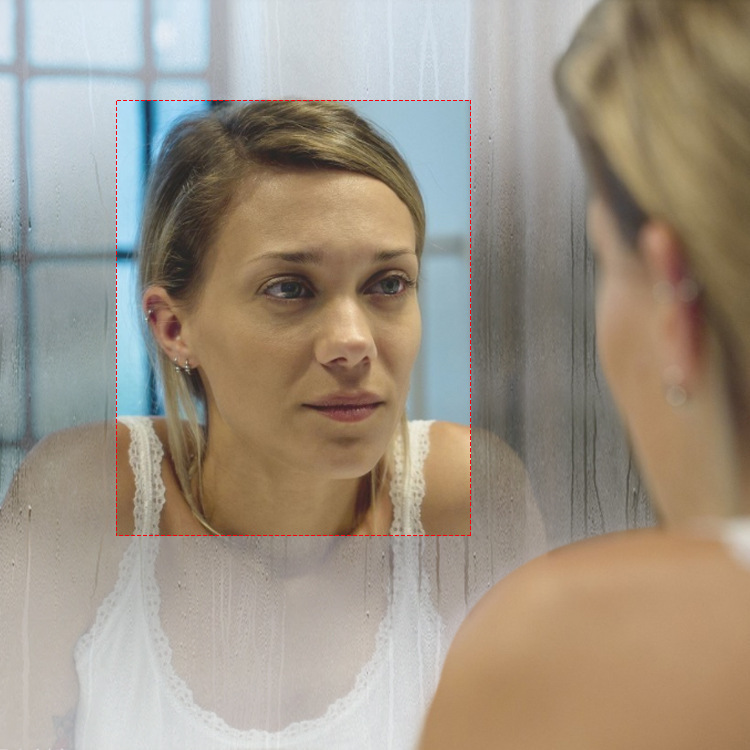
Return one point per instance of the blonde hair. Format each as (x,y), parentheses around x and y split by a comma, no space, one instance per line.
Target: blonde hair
(657,93)
(191,186)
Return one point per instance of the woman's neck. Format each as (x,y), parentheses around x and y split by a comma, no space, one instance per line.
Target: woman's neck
(240,495)
(704,466)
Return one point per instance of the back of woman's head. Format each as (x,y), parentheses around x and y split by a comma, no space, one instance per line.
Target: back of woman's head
(198,173)
(657,93)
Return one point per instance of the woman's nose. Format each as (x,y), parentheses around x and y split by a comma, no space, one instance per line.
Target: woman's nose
(345,337)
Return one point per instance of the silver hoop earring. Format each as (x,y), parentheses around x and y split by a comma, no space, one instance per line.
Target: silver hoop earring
(676,396)
(184,369)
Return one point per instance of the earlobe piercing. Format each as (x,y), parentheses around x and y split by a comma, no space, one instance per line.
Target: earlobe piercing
(685,290)
(676,396)
(185,369)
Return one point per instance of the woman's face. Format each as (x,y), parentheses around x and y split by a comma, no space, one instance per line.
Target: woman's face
(307,326)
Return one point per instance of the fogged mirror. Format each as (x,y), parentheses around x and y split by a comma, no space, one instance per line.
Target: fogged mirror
(433,137)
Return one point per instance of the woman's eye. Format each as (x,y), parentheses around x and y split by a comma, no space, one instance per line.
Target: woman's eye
(391,286)
(287,289)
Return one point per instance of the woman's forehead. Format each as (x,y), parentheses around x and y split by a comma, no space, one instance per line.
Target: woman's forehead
(311,212)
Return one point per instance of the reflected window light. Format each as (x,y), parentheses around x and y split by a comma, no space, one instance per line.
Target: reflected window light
(445,344)
(12,368)
(71,175)
(7,32)
(181,89)
(166,113)
(133,386)
(131,172)
(180,35)
(10,460)
(9,198)
(87,34)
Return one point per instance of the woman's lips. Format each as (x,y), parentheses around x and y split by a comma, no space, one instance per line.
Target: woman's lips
(346,412)
(342,413)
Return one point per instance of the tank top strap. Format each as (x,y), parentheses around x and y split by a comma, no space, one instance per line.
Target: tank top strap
(408,483)
(145,456)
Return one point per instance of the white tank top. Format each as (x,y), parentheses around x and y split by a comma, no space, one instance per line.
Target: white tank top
(341,653)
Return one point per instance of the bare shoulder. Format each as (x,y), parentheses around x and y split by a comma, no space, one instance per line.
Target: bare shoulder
(504,511)
(455,502)
(494,458)
(61,465)
(447,470)
(58,559)
(632,640)
(63,495)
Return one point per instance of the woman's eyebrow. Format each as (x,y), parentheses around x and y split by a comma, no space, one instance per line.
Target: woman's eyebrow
(316,257)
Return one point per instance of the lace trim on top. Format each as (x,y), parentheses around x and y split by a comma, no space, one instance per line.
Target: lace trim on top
(297,730)
(408,485)
(145,456)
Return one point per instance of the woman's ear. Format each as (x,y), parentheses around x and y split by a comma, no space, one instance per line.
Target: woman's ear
(679,326)
(164,317)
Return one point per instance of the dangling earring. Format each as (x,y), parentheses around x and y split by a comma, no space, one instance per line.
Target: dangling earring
(185,369)
(674,390)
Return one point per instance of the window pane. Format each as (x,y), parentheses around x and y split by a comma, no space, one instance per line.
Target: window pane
(7,31)
(132,372)
(165,114)
(71,127)
(10,460)
(12,423)
(8,164)
(434,136)
(180,35)
(180,88)
(86,33)
(72,343)
(130,171)
(444,297)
